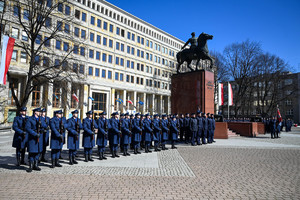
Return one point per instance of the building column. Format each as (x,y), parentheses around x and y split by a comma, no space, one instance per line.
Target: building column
(112,101)
(169,104)
(135,100)
(42,96)
(161,104)
(145,102)
(153,104)
(124,101)
(49,96)
(68,99)
(84,98)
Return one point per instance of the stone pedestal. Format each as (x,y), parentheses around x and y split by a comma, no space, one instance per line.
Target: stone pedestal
(192,89)
(221,131)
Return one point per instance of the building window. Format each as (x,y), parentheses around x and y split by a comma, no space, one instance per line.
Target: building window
(116,76)
(132,79)
(110,43)
(97,72)
(83,32)
(83,16)
(81,69)
(67,10)
(91,54)
(66,46)
(92,20)
(290,112)
(97,55)
(75,67)
(36,96)
(104,41)
(76,32)
(14,55)
(15,33)
(110,58)
(16,11)
(74,90)
(12,84)
(99,102)
(121,77)
(98,39)
(67,28)
(82,51)
(111,28)
(127,78)
(75,50)
(23,57)
(56,96)
(77,14)
(92,36)
(91,71)
(104,57)
(109,74)
(60,7)
(103,73)
(48,22)
(98,23)
(118,31)
(105,25)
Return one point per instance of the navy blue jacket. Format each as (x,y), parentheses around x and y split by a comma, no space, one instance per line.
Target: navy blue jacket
(165,129)
(147,130)
(88,140)
(173,130)
(102,135)
(58,139)
(126,139)
(193,124)
(136,129)
(46,134)
(35,142)
(20,137)
(114,132)
(73,133)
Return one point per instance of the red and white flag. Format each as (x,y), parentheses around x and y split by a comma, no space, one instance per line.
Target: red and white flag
(279,118)
(230,95)
(221,94)
(129,101)
(75,97)
(7,50)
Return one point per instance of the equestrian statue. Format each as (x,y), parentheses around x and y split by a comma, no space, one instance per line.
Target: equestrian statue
(198,50)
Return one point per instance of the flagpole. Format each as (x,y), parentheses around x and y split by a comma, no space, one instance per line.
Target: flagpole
(228,101)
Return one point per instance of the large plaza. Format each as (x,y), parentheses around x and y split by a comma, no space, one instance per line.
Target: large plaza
(237,168)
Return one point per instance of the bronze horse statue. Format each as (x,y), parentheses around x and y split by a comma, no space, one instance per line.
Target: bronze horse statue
(200,52)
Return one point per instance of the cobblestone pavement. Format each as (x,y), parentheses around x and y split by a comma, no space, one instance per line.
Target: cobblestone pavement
(237,168)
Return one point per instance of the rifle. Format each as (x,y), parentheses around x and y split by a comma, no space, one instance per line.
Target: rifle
(61,130)
(160,126)
(105,128)
(130,126)
(152,127)
(120,126)
(93,126)
(23,127)
(38,129)
(77,128)
(169,124)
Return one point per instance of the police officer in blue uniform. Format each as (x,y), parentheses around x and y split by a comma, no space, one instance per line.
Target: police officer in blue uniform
(20,137)
(187,131)
(174,131)
(46,134)
(205,128)
(213,127)
(114,133)
(74,127)
(200,127)
(165,131)
(181,126)
(35,127)
(156,132)
(88,141)
(147,132)
(193,128)
(209,130)
(126,134)
(137,132)
(273,127)
(102,136)
(58,126)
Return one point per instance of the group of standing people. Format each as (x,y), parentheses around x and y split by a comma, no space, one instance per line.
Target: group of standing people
(124,131)
(275,126)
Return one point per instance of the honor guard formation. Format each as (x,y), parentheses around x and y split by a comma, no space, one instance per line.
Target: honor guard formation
(136,132)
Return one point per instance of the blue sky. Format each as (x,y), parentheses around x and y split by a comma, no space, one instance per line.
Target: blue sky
(273,23)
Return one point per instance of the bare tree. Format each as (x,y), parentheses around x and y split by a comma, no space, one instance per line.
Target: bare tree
(44,22)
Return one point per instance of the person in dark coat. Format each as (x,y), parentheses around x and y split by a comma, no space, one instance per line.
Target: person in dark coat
(187,131)
(58,126)
(165,131)
(126,134)
(147,132)
(102,136)
(156,123)
(114,133)
(137,127)
(210,127)
(200,127)
(74,127)
(181,126)
(90,128)
(193,126)
(213,127)
(45,135)
(20,137)
(35,128)
(273,127)
(205,128)
(174,131)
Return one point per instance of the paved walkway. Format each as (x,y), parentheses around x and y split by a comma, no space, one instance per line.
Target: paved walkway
(237,168)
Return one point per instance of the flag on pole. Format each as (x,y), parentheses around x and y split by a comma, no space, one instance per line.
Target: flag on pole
(221,94)
(129,101)
(141,103)
(7,50)
(230,95)
(75,97)
(279,118)
(119,101)
(91,98)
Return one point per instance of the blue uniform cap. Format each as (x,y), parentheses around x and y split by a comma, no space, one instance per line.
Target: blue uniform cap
(75,112)
(198,112)
(89,112)
(155,115)
(122,115)
(137,114)
(23,109)
(58,112)
(126,114)
(131,115)
(44,110)
(146,115)
(37,110)
(187,113)
(164,115)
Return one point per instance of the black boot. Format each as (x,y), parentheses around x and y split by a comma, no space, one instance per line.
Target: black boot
(30,167)
(86,158)
(173,146)
(116,154)
(18,160)
(57,163)
(74,160)
(36,167)
(124,152)
(23,157)
(104,158)
(135,151)
(127,154)
(149,149)
(113,154)
(70,160)
(146,149)
(100,156)
(52,163)
(165,147)
(90,158)
(43,159)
